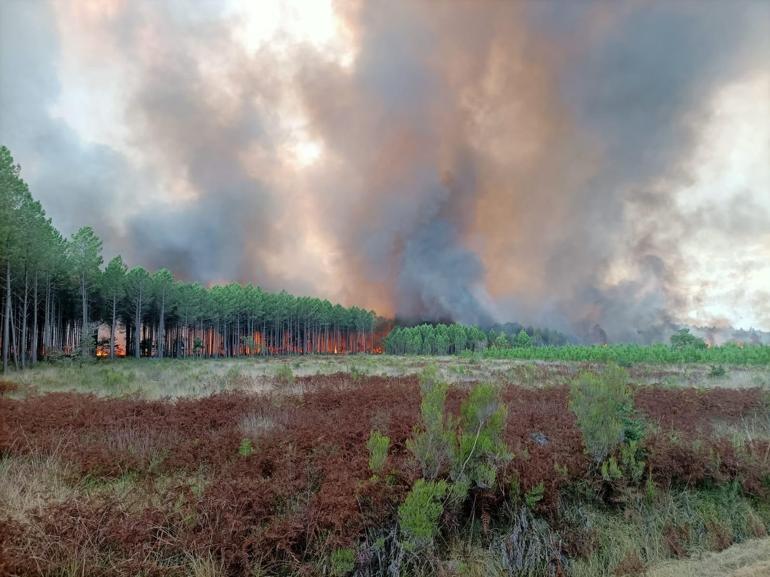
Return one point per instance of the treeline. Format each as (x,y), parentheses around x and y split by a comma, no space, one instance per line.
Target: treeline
(434,340)
(56,293)
(454,339)
(528,344)
(625,354)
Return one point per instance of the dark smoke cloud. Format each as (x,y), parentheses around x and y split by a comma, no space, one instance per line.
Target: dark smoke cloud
(480,162)
(76,181)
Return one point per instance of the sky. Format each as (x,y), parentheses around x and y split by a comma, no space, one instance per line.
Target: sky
(569,165)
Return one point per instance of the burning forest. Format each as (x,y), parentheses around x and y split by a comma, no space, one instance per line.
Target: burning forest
(364,288)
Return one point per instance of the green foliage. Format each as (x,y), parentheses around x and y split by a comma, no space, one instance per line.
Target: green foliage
(343,562)
(470,450)
(629,354)
(522,340)
(246,448)
(357,373)
(603,406)
(632,464)
(480,447)
(682,339)
(668,523)
(378,451)
(432,442)
(464,340)
(419,514)
(535,495)
(38,266)
(435,340)
(610,470)
(716,371)
(284,374)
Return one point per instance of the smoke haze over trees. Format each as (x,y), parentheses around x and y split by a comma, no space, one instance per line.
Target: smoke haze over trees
(56,293)
(594,168)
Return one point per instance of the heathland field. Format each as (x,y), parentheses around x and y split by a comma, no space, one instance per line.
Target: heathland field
(384,465)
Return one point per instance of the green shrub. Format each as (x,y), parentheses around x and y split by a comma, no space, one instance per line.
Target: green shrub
(432,442)
(284,375)
(604,407)
(480,447)
(682,339)
(357,373)
(378,451)
(717,371)
(246,448)
(522,340)
(343,561)
(419,514)
(535,495)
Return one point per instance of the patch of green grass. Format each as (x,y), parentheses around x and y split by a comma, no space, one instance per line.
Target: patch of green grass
(685,523)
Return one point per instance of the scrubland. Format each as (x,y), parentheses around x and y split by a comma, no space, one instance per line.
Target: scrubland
(366,465)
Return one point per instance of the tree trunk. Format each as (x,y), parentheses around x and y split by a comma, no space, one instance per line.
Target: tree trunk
(7,319)
(14,345)
(23,343)
(138,326)
(84,331)
(162,325)
(34,323)
(47,332)
(114,325)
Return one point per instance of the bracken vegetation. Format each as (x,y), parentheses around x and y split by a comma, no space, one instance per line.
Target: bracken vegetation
(333,480)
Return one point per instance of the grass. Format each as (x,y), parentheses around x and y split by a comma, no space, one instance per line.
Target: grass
(175,378)
(749,559)
(29,482)
(676,523)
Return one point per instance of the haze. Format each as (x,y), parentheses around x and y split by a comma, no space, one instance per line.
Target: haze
(563,164)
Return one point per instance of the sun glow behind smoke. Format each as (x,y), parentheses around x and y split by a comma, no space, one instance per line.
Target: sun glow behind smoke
(281,25)
(731,176)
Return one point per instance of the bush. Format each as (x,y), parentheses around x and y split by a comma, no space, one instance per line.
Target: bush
(604,407)
(284,375)
(432,443)
(378,451)
(717,371)
(246,448)
(535,495)
(419,514)
(522,340)
(343,561)
(682,339)
(480,446)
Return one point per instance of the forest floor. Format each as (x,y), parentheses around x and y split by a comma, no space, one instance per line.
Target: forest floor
(260,467)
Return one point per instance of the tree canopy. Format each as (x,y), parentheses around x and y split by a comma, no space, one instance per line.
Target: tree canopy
(56,293)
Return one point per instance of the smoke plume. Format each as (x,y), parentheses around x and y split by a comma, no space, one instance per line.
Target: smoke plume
(581,166)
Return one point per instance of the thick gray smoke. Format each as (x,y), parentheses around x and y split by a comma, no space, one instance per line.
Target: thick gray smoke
(478,161)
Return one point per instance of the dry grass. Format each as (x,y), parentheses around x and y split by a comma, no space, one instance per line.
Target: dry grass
(173,378)
(749,559)
(29,482)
